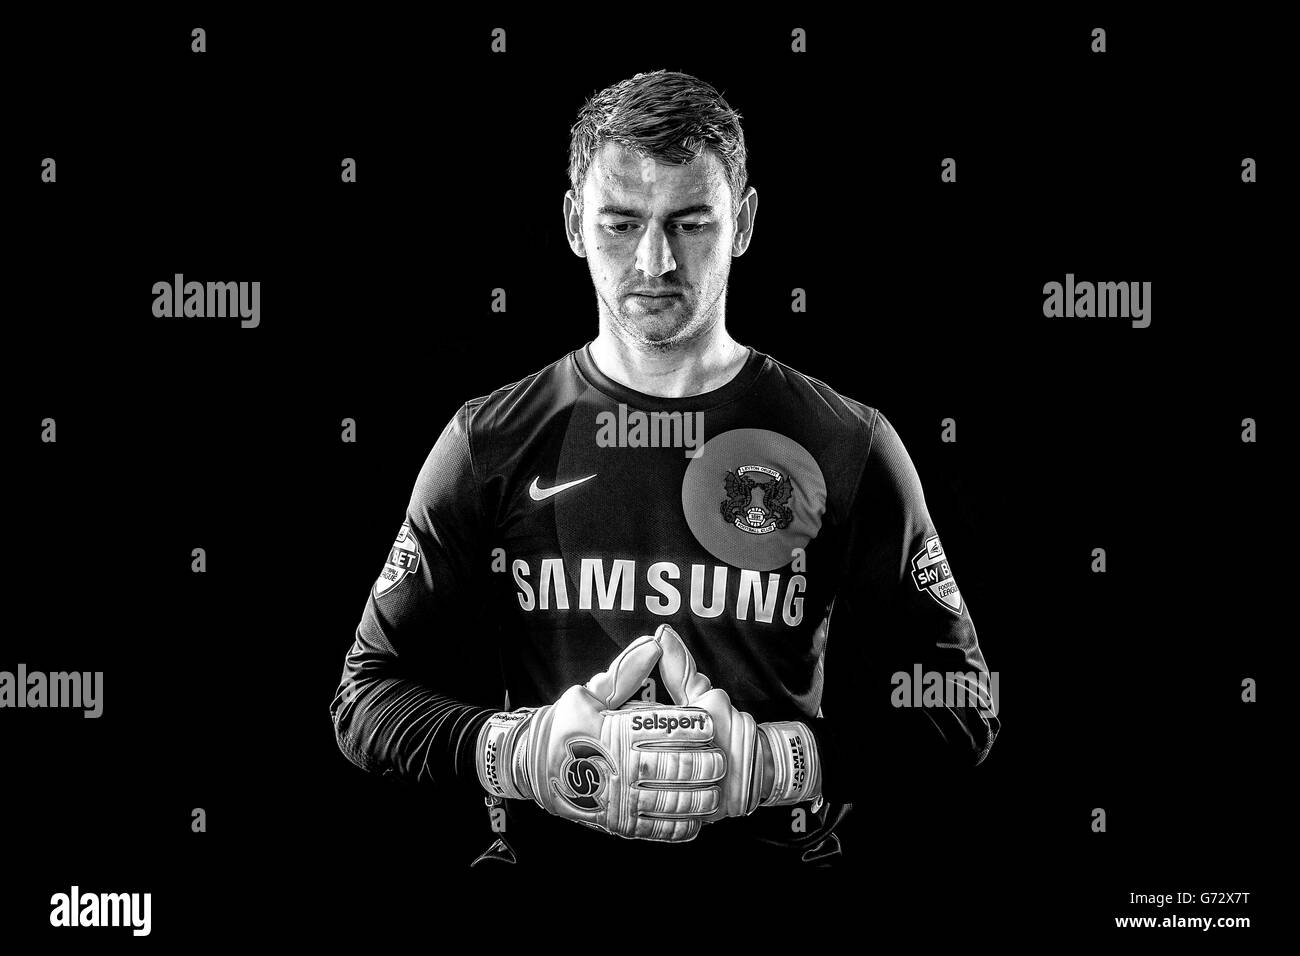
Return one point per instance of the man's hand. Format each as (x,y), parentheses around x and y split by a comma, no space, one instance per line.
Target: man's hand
(646,772)
(771,764)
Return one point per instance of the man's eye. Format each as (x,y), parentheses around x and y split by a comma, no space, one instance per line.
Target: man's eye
(684,228)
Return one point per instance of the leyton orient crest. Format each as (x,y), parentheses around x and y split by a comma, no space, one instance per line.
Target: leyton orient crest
(759,504)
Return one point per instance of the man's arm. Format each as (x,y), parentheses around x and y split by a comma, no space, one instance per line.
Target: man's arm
(394,712)
(898,611)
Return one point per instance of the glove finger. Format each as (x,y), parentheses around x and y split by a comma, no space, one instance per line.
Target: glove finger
(683,766)
(671,769)
(667,831)
(677,804)
(627,672)
(677,668)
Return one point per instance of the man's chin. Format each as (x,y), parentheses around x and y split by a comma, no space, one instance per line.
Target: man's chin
(657,331)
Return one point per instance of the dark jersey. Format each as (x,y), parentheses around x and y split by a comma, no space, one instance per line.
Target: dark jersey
(778,526)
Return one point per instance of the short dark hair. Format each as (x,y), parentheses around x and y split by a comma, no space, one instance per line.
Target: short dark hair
(662,115)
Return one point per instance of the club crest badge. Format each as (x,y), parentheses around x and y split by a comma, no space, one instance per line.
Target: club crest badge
(757,505)
(930,572)
(403,559)
(754,498)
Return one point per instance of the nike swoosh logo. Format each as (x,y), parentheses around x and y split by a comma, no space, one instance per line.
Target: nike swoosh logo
(541,494)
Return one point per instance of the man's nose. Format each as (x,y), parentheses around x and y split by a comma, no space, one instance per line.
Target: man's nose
(654,256)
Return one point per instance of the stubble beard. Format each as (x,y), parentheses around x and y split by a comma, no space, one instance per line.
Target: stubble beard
(664,333)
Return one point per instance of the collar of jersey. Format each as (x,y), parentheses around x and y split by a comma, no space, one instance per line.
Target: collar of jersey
(741,381)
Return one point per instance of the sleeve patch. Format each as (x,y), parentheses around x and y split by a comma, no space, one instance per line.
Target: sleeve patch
(403,559)
(930,572)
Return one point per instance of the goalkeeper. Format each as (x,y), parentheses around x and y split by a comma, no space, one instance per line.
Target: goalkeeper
(514,642)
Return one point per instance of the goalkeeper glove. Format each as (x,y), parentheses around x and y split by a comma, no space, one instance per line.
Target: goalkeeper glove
(645,772)
(796,766)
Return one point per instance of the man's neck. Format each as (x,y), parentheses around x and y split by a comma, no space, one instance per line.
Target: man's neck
(703,365)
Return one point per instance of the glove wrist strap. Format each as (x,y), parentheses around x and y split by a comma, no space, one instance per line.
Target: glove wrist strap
(502,747)
(796,761)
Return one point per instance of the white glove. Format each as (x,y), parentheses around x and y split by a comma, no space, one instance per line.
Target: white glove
(795,765)
(646,772)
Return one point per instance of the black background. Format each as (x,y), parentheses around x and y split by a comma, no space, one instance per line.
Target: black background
(1118,690)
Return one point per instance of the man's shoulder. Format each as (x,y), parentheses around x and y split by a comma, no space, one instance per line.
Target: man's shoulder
(507,417)
(826,402)
(544,384)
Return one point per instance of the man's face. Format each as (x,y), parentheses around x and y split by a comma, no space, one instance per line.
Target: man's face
(658,241)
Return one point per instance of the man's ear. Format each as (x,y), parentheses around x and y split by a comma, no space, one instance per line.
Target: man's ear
(745,214)
(573,225)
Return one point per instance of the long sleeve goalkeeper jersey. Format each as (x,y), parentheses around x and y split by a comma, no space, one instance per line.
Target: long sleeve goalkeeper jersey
(777,525)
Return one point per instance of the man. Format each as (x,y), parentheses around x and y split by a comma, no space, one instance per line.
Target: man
(665,475)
